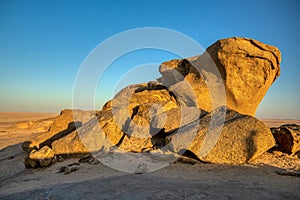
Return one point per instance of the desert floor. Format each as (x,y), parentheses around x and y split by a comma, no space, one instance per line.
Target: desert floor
(259,179)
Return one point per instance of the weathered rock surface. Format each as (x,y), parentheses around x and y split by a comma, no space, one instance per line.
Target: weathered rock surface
(247,67)
(101,132)
(112,129)
(139,94)
(287,138)
(69,146)
(178,117)
(241,138)
(136,144)
(139,136)
(69,119)
(41,158)
(65,123)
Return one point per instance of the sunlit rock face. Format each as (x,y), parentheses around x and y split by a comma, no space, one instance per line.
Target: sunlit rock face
(247,68)
(234,140)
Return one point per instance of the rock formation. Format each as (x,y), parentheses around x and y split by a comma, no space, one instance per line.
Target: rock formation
(170,115)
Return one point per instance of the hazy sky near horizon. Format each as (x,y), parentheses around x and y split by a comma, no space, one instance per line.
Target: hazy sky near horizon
(44,43)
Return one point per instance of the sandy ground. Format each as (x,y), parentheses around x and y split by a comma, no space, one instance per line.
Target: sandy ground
(257,180)
(278,122)
(14,131)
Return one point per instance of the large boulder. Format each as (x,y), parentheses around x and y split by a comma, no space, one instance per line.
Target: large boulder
(98,133)
(65,123)
(70,146)
(247,68)
(139,94)
(287,138)
(234,139)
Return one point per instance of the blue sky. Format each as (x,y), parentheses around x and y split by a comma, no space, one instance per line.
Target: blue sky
(44,43)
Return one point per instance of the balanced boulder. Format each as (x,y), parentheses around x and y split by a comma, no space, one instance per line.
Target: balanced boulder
(246,67)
